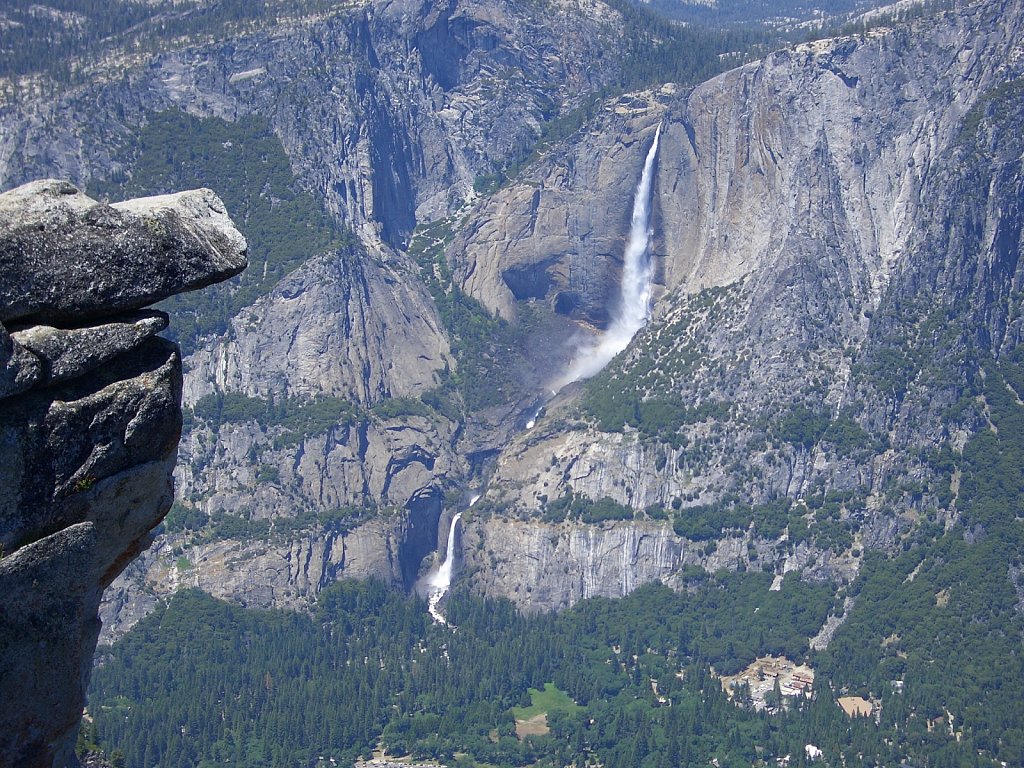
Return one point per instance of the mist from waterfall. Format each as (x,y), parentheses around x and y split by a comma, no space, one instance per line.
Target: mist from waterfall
(634,309)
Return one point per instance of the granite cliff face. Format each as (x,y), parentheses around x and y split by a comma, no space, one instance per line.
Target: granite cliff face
(806,218)
(818,155)
(807,236)
(90,415)
(543,566)
(388,112)
(558,234)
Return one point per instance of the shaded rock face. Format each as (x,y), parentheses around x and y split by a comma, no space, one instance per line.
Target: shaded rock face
(339,325)
(410,101)
(90,416)
(277,572)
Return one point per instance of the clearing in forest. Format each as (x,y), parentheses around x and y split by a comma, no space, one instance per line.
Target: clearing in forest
(533,720)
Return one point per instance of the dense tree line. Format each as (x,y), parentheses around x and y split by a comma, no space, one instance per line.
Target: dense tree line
(656,50)
(202,682)
(43,38)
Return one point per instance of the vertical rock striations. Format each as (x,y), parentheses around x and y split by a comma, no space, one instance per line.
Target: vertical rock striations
(90,416)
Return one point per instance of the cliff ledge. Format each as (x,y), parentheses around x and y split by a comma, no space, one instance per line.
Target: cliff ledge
(90,417)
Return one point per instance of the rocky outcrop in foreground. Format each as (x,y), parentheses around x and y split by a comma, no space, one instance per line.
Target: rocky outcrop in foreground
(90,417)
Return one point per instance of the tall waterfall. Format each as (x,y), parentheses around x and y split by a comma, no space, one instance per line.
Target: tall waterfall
(634,309)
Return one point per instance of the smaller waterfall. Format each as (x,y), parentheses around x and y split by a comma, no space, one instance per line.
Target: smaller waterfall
(438,583)
(443,578)
(532,422)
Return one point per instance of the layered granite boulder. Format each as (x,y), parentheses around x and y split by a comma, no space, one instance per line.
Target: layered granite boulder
(90,418)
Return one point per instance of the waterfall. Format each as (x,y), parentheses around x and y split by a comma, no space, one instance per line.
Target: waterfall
(631,314)
(634,309)
(532,421)
(443,578)
(438,583)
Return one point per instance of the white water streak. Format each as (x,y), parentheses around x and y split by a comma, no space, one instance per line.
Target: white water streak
(439,582)
(634,308)
(533,419)
(443,578)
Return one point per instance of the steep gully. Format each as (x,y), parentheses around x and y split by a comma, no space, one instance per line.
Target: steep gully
(630,315)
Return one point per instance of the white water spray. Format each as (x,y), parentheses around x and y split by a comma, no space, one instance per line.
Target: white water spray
(438,583)
(634,308)
(533,419)
(443,578)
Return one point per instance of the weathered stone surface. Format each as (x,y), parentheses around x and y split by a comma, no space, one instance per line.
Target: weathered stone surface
(48,628)
(559,234)
(66,439)
(279,572)
(67,258)
(342,325)
(90,417)
(50,592)
(86,475)
(66,353)
(20,370)
(385,463)
(543,566)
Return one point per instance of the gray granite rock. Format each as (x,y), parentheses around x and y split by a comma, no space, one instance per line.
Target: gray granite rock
(90,418)
(67,353)
(85,476)
(65,258)
(48,628)
(61,441)
(20,370)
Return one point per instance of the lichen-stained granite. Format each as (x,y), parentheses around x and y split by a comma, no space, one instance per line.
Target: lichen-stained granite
(90,417)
